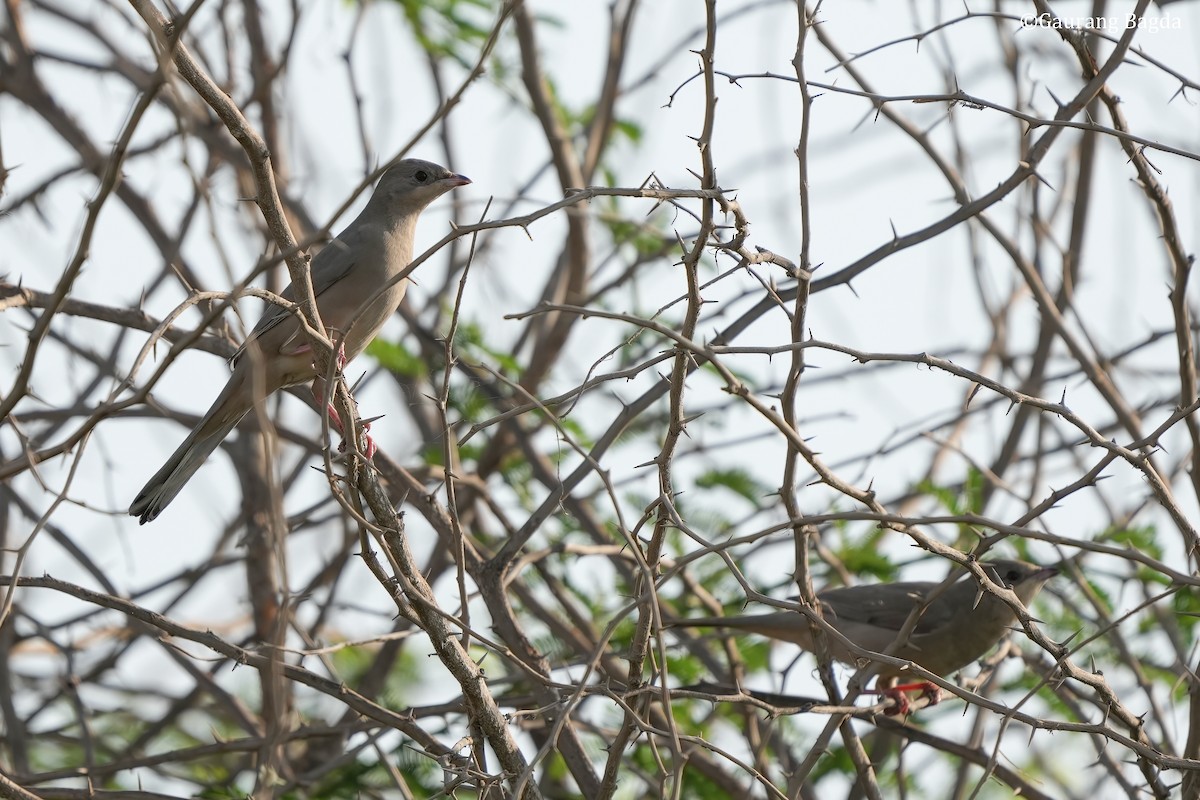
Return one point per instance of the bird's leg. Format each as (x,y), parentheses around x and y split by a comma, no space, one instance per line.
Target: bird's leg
(930,691)
(901,706)
(369,447)
(339,358)
(318,390)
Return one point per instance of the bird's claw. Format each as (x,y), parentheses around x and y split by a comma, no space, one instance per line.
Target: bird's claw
(339,358)
(901,706)
(929,691)
(369,447)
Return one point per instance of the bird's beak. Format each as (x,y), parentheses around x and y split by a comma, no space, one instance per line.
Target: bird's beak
(457,180)
(1046,573)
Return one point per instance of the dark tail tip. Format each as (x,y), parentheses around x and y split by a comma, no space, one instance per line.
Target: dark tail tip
(144,508)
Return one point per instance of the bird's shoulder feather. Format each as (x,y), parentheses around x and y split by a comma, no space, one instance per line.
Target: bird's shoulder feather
(329,266)
(886,605)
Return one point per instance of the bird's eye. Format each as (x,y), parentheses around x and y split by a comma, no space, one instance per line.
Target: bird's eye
(421,176)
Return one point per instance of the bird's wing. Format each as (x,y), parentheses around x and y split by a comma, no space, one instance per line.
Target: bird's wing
(886,606)
(335,261)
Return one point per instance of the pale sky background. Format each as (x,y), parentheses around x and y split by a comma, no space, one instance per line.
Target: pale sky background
(866,179)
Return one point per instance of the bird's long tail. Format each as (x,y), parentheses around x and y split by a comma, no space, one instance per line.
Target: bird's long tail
(206,437)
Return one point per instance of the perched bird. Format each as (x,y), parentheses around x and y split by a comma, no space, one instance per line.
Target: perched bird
(375,247)
(959,626)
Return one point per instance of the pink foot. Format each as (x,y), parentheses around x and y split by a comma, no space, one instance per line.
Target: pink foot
(369,447)
(339,358)
(928,690)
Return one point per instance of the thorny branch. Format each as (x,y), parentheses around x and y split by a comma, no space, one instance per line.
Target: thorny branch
(603,410)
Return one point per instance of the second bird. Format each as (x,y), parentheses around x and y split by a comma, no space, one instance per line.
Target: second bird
(954,630)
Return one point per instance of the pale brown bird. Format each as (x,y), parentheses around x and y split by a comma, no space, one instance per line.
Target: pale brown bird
(373,249)
(958,627)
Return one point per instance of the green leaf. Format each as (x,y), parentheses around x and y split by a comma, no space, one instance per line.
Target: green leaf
(1143,539)
(738,481)
(393,357)
(630,130)
(470,340)
(443,29)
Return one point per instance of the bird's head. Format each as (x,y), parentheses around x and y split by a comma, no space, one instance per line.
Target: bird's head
(1025,579)
(412,184)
